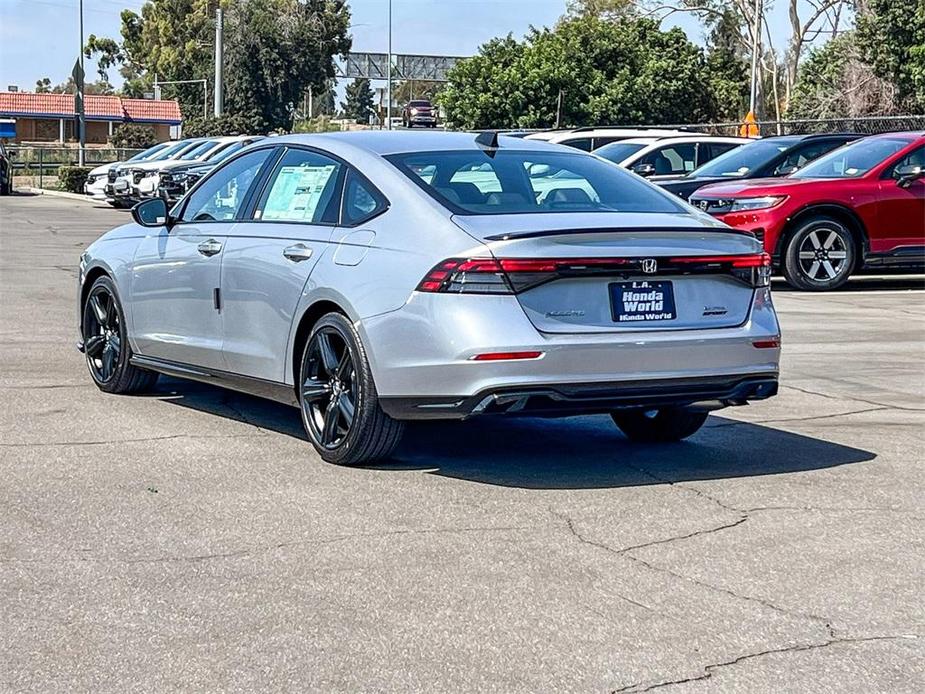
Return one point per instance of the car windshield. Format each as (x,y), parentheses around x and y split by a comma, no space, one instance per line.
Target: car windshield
(520,182)
(743,160)
(618,151)
(853,160)
(170,151)
(150,152)
(226,152)
(417,104)
(200,151)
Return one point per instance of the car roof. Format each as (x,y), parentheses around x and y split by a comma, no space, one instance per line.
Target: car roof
(681,139)
(400,141)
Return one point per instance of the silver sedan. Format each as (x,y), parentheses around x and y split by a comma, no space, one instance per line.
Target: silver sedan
(371,278)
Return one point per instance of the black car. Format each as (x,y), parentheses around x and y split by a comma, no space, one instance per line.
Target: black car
(6,172)
(766,158)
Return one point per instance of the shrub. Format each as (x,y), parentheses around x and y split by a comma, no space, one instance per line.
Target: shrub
(134,137)
(72,178)
(226,124)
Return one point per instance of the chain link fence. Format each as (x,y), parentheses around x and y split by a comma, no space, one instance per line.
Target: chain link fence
(867,125)
(37,167)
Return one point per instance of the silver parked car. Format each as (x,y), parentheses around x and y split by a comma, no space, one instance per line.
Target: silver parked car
(371,278)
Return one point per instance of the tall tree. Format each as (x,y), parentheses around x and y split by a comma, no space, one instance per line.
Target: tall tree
(276,49)
(628,71)
(359,101)
(891,37)
(728,66)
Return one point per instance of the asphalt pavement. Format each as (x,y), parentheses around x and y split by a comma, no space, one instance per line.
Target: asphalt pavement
(191,540)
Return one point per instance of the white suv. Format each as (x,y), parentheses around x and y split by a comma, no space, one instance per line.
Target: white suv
(662,157)
(589,139)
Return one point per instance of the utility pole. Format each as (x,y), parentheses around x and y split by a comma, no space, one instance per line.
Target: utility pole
(219,51)
(756,33)
(311,102)
(79,87)
(388,98)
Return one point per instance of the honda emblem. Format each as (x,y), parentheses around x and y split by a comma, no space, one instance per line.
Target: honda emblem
(649,265)
(704,204)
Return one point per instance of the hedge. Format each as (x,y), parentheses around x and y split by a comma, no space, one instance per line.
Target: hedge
(72,178)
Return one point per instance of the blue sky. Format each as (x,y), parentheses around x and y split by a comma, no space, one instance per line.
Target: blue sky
(39,38)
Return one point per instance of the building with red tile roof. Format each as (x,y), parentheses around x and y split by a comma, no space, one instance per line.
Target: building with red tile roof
(52,118)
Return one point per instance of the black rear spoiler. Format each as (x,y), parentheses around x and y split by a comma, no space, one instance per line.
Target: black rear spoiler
(613,230)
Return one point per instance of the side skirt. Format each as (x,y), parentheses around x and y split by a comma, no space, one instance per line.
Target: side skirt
(279,392)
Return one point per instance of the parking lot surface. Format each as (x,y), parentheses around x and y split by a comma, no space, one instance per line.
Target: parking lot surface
(192,540)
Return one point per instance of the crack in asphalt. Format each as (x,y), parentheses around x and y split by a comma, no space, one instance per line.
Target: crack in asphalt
(708,670)
(260,549)
(798,419)
(105,442)
(883,405)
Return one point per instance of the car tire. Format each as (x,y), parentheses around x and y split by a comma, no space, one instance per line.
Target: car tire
(663,425)
(338,398)
(819,255)
(105,343)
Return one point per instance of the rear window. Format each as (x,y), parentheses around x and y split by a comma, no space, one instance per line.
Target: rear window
(522,182)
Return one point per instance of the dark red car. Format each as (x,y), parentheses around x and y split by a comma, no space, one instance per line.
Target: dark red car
(860,206)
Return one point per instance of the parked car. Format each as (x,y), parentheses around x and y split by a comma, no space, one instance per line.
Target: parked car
(98,177)
(361,278)
(419,112)
(860,206)
(659,157)
(180,176)
(6,171)
(590,139)
(769,157)
(122,181)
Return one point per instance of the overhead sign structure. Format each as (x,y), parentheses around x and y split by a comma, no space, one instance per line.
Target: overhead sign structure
(375,66)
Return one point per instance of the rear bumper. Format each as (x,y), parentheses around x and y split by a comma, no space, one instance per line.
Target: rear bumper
(567,399)
(422,359)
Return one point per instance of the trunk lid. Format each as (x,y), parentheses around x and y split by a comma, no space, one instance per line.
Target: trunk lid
(600,275)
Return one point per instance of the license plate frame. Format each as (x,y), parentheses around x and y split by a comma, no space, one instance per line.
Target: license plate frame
(642,301)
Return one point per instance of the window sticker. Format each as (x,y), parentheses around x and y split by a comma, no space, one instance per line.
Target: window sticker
(296,192)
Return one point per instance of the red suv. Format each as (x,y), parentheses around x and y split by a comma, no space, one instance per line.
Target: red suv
(860,206)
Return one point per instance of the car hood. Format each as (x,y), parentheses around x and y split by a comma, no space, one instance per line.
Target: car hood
(190,167)
(103,168)
(754,187)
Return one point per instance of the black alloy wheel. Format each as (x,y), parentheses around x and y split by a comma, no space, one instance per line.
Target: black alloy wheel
(338,397)
(329,389)
(105,344)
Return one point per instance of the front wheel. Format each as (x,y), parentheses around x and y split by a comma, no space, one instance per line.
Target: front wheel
(820,255)
(339,402)
(661,425)
(106,344)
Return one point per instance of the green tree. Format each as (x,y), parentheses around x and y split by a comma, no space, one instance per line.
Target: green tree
(133,137)
(728,67)
(226,124)
(891,38)
(620,72)
(835,82)
(359,101)
(276,49)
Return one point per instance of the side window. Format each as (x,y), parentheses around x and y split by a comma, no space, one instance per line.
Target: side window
(915,158)
(674,159)
(360,200)
(582,143)
(301,189)
(221,195)
(801,156)
(711,150)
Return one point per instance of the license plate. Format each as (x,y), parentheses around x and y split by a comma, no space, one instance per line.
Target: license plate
(643,301)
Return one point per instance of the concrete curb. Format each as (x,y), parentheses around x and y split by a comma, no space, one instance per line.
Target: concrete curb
(56,193)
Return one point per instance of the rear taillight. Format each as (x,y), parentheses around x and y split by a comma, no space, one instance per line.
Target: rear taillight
(513,275)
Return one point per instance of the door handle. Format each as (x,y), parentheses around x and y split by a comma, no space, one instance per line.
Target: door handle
(210,247)
(297,253)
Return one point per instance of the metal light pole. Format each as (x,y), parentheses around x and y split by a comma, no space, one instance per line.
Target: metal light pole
(218,94)
(753,99)
(79,86)
(388,97)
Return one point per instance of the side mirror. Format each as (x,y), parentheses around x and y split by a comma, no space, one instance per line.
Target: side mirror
(537,170)
(151,213)
(906,175)
(644,169)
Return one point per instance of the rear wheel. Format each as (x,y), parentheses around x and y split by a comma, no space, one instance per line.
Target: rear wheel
(820,255)
(339,403)
(661,425)
(106,346)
